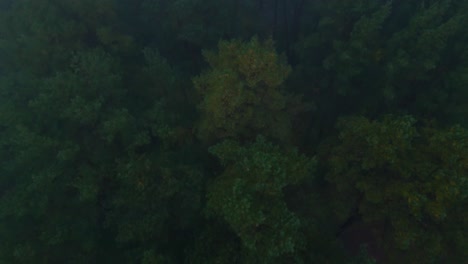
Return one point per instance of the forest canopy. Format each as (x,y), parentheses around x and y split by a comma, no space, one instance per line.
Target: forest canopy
(233,131)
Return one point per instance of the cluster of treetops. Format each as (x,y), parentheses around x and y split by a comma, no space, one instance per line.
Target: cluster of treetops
(233,131)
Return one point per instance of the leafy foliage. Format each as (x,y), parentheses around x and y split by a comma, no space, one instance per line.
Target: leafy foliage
(157,131)
(241,94)
(409,177)
(376,57)
(249,196)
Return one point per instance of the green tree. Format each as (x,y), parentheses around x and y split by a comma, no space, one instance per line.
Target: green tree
(75,121)
(249,197)
(374,57)
(53,172)
(408,177)
(57,164)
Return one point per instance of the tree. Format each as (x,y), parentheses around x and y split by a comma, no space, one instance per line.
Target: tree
(375,57)
(241,95)
(249,197)
(408,177)
(74,122)
(56,90)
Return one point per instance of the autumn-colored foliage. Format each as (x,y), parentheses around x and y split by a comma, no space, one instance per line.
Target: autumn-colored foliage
(242,93)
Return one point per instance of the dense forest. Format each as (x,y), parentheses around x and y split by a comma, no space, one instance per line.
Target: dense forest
(233,131)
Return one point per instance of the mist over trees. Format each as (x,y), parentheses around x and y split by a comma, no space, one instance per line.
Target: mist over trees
(233,131)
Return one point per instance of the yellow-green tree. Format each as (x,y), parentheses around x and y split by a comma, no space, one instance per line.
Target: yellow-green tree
(242,92)
(412,179)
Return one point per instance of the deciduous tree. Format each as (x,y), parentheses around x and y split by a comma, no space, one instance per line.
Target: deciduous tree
(410,178)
